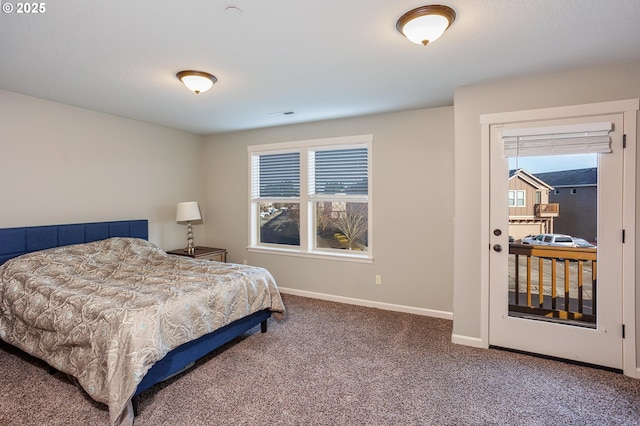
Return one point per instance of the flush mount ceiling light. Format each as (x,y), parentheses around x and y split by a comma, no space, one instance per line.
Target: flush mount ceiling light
(426,24)
(196,81)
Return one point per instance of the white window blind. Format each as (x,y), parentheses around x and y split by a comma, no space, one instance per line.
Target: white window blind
(276,175)
(339,171)
(557,140)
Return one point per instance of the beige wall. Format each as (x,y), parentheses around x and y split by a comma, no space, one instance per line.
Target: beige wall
(412,209)
(61,164)
(561,89)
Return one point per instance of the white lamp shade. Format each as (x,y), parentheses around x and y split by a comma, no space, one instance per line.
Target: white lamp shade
(197,84)
(429,28)
(188,211)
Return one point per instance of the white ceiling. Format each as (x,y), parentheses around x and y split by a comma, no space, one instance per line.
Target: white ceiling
(322,60)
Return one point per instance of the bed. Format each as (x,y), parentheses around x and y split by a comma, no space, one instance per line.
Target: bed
(99,302)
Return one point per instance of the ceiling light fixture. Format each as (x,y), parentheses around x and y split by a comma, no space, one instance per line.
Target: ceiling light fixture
(196,81)
(425,24)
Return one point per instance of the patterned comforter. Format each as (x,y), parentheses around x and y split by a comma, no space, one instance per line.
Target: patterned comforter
(105,312)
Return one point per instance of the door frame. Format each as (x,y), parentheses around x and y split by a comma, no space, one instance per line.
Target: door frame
(629,109)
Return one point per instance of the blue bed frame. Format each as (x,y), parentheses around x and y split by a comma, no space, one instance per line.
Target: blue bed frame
(18,241)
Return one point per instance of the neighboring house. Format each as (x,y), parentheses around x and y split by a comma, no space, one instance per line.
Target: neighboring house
(577,192)
(530,211)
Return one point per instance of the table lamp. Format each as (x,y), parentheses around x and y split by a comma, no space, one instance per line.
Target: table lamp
(188,212)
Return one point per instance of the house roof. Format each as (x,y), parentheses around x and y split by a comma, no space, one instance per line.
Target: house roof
(578,177)
(530,178)
(319,60)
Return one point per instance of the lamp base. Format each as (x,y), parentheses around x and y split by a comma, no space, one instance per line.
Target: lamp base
(190,248)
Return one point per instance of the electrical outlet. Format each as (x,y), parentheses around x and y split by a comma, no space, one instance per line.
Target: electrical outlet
(379,279)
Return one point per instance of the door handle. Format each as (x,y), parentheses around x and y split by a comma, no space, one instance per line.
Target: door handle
(497,247)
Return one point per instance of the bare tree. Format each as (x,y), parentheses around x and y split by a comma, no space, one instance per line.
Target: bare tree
(353,222)
(323,216)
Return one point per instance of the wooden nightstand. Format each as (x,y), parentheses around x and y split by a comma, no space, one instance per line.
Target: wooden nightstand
(207,253)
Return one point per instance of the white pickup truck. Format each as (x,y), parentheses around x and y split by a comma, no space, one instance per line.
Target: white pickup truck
(550,240)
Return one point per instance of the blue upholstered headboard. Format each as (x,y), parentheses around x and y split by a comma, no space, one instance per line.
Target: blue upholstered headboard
(17,241)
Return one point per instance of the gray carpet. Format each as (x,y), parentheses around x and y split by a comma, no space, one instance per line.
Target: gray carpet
(334,364)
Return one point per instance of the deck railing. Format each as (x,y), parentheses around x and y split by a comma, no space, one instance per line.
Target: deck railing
(553,283)
(547,210)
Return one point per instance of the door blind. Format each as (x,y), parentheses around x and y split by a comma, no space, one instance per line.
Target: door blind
(557,140)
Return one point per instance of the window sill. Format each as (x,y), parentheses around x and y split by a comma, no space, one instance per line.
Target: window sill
(364,258)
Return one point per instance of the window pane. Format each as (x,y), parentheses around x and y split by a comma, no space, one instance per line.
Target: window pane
(341,225)
(341,171)
(280,223)
(280,175)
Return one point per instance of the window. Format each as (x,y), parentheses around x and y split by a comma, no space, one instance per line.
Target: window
(564,240)
(312,198)
(276,191)
(516,198)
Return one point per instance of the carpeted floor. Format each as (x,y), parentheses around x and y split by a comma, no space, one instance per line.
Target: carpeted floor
(333,364)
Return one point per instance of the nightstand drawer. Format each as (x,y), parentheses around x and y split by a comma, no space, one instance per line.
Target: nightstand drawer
(206,253)
(218,257)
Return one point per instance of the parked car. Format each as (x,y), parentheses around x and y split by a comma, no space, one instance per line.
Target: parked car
(581,242)
(532,239)
(561,240)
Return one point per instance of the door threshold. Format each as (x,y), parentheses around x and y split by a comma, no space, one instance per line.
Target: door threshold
(555,358)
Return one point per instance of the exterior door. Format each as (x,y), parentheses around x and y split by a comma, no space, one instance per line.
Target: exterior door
(554,298)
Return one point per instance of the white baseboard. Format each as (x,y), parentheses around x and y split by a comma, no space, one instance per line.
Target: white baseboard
(476,342)
(368,303)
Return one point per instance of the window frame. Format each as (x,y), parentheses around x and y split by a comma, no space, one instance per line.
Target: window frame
(307,199)
(516,198)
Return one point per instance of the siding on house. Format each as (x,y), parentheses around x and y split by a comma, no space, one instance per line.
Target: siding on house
(577,193)
(522,219)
